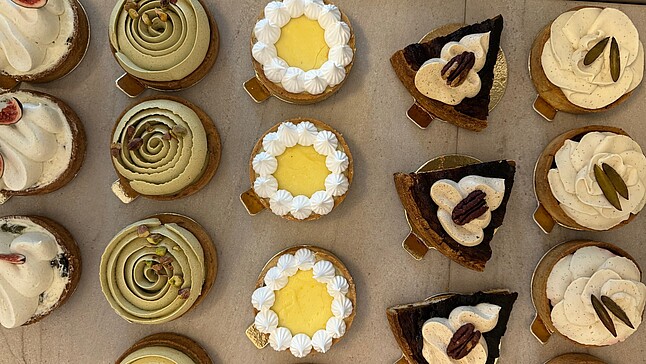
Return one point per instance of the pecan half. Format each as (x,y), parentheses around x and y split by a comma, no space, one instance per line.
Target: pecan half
(472,207)
(463,341)
(455,72)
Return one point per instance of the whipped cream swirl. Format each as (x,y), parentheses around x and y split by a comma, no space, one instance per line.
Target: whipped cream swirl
(153,279)
(448,194)
(293,79)
(263,298)
(34,40)
(160,147)
(594,271)
(429,81)
(438,331)
(164,50)
(265,164)
(575,186)
(572,35)
(37,149)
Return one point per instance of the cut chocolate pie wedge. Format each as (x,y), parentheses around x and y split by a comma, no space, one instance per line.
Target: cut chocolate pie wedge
(451,76)
(458,210)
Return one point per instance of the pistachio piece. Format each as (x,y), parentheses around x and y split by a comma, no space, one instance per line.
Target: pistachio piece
(616,180)
(178,131)
(149,263)
(177,248)
(615,60)
(603,314)
(133,14)
(130,5)
(143,231)
(167,136)
(159,269)
(184,293)
(617,311)
(161,251)
(115,149)
(130,132)
(161,15)
(607,187)
(176,281)
(135,143)
(595,51)
(166,261)
(146,19)
(155,239)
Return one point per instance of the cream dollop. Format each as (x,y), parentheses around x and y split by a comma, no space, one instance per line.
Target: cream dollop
(430,83)
(332,73)
(275,69)
(572,35)
(314,82)
(277,13)
(288,134)
(322,341)
(307,133)
(287,265)
(301,208)
(281,202)
(322,203)
(575,186)
(280,339)
(266,321)
(337,162)
(264,53)
(305,259)
(338,287)
(272,144)
(275,279)
(335,327)
(294,80)
(341,306)
(336,184)
(342,55)
(594,271)
(300,346)
(265,186)
(326,142)
(323,271)
(263,298)
(267,32)
(448,194)
(264,164)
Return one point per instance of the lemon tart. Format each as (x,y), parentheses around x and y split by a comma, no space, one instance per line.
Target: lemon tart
(165,348)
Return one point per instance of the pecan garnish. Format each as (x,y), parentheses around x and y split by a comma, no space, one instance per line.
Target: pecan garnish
(455,72)
(463,341)
(470,208)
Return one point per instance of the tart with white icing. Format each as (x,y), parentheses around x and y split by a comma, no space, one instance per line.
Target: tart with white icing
(40,267)
(302,50)
(304,301)
(165,348)
(458,210)
(590,292)
(301,169)
(42,144)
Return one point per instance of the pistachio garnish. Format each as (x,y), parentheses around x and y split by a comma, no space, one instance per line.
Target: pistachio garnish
(161,251)
(133,14)
(130,132)
(607,187)
(143,231)
(603,314)
(178,131)
(617,311)
(595,51)
(167,136)
(616,180)
(166,3)
(615,60)
(115,149)
(135,143)
(177,248)
(184,293)
(159,269)
(161,15)
(130,5)
(146,19)
(149,263)
(176,281)
(166,261)
(155,239)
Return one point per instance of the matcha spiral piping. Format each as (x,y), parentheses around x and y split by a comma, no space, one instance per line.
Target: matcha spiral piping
(160,147)
(145,286)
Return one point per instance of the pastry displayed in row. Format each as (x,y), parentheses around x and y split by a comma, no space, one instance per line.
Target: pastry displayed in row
(301,169)
(40,267)
(302,51)
(42,144)
(165,348)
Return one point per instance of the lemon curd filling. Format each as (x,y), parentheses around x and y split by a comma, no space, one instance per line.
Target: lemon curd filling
(302,44)
(301,171)
(303,306)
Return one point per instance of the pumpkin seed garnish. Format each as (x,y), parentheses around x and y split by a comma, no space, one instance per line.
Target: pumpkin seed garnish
(616,180)
(615,61)
(607,187)
(603,314)
(595,51)
(616,310)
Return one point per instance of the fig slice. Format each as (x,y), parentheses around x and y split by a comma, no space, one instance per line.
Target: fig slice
(10,111)
(31,4)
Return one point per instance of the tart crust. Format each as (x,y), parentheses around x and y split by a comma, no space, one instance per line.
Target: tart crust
(575,358)
(174,341)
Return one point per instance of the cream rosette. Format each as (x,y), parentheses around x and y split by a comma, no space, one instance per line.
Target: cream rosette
(263,298)
(264,164)
(160,147)
(160,51)
(294,79)
(151,272)
(574,185)
(572,36)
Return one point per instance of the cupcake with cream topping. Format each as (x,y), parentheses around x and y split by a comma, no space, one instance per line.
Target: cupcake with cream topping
(164,348)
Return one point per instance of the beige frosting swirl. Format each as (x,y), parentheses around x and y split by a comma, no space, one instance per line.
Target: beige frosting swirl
(165,50)
(155,279)
(157,355)
(172,153)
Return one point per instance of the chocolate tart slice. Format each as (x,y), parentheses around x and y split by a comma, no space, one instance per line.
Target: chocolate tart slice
(471,113)
(414,193)
(406,321)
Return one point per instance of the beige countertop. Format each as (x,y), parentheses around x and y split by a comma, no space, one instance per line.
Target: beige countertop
(365,232)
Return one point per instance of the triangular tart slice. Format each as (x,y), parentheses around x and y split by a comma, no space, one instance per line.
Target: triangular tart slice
(472,112)
(414,193)
(406,321)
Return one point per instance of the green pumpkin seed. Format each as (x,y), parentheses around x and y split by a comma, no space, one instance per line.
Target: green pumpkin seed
(615,60)
(595,51)
(616,310)
(603,314)
(616,180)
(607,187)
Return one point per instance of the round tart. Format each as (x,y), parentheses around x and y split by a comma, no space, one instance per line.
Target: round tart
(164,148)
(164,348)
(301,169)
(40,267)
(575,358)
(302,51)
(42,144)
(571,277)
(156,270)
(166,45)
(567,185)
(572,62)
(305,299)
(47,42)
